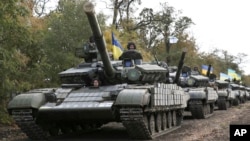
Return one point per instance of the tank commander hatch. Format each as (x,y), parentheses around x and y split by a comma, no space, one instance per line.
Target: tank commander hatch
(132,53)
(90,52)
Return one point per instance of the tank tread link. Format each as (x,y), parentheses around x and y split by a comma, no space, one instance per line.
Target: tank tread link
(24,119)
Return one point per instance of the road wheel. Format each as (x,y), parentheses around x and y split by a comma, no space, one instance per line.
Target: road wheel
(174,118)
(164,121)
(158,122)
(169,119)
(152,124)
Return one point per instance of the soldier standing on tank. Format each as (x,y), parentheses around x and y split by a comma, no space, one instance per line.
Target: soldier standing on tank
(195,71)
(91,43)
(131,53)
(90,50)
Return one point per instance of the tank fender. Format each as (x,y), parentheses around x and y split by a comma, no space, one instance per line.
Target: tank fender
(133,97)
(34,100)
(197,94)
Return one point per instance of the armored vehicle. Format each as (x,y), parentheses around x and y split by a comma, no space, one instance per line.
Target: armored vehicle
(248,92)
(201,91)
(243,94)
(240,93)
(131,91)
(225,95)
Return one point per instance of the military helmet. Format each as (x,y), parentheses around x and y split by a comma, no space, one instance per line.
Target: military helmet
(131,43)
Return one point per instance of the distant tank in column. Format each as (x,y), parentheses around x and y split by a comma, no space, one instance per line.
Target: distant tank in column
(201,90)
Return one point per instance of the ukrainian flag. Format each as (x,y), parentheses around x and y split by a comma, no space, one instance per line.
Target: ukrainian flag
(204,69)
(232,73)
(116,47)
(224,76)
(238,77)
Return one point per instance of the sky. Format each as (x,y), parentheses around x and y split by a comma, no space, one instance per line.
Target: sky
(221,24)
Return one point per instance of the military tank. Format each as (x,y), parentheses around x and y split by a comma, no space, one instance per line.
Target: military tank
(247,92)
(225,95)
(239,92)
(132,92)
(243,94)
(201,91)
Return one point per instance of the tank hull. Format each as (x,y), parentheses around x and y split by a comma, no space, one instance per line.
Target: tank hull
(202,101)
(77,111)
(152,110)
(225,99)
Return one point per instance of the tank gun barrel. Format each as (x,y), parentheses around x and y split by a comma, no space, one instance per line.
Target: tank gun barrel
(208,70)
(181,62)
(99,38)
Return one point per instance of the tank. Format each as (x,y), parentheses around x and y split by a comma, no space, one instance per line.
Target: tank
(225,95)
(135,93)
(201,91)
(248,93)
(240,93)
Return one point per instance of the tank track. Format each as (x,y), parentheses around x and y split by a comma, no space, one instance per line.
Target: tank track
(223,104)
(137,127)
(25,120)
(200,110)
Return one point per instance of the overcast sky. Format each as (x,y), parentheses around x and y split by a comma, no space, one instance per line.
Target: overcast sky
(222,24)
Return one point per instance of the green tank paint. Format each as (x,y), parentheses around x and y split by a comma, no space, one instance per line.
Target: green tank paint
(34,100)
(133,97)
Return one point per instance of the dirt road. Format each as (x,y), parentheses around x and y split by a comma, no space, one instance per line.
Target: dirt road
(214,128)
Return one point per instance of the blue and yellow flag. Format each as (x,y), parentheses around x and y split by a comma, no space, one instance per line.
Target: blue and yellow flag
(116,47)
(224,76)
(204,69)
(238,77)
(232,73)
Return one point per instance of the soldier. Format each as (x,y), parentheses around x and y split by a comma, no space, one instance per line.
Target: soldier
(91,43)
(195,71)
(131,46)
(96,83)
(131,53)
(90,50)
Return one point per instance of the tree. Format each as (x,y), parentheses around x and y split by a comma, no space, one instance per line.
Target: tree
(157,27)
(124,8)
(68,28)
(14,35)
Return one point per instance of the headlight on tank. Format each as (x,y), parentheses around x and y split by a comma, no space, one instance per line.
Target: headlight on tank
(133,74)
(190,82)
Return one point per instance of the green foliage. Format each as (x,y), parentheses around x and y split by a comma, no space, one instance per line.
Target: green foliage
(4,116)
(13,37)
(68,28)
